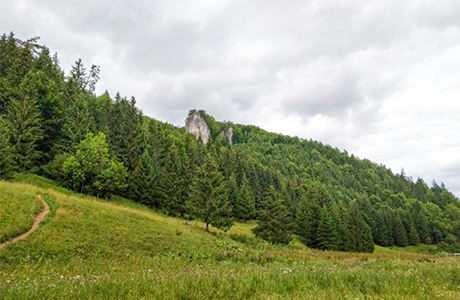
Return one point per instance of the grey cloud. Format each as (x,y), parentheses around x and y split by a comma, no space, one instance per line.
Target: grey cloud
(265,60)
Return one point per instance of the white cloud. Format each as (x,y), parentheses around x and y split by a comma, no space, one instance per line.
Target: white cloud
(379,79)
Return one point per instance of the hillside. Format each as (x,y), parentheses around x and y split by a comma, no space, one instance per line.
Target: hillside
(53,124)
(89,248)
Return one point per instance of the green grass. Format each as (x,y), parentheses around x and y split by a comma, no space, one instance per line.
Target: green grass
(93,249)
(18,207)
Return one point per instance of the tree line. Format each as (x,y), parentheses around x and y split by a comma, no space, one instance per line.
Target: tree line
(54,124)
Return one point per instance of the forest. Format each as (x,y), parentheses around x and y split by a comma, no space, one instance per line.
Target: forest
(53,124)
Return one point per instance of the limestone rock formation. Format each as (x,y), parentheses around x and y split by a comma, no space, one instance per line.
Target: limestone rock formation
(196,125)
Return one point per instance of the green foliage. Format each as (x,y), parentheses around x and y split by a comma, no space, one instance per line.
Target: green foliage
(144,185)
(48,114)
(6,158)
(93,249)
(243,202)
(359,235)
(327,231)
(308,217)
(91,170)
(209,197)
(274,224)
(25,120)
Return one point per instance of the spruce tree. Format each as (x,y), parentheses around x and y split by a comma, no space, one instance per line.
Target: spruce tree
(399,232)
(274,224)
(327,232)
(24,120)
(209,197)
(6,159)
(244,207)
(173,185)
(308,214)
(143,185)
(412,236)
(359,235)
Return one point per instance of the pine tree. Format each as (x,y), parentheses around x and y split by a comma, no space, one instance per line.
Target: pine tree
(399,232)
(274,225)
(359,237)
(244,206)
(77,117)
(327,232)
(6,159)
(143,185)
(173,185)
(209,197)
(412,236)
(126,136)
(24,121)
(308,215)
(339,215)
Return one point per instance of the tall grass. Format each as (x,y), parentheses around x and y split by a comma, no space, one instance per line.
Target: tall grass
(93,249)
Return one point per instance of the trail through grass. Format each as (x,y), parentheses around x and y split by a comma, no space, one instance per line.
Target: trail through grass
(18,206)
(95,249)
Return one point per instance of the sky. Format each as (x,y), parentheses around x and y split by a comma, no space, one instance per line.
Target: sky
(379,79)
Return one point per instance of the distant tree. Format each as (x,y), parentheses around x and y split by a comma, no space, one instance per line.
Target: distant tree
(6,159)
(209,197)
(274,224)
(399,232)
(309,214)
(412,236)
(327,231)
(359,237)
(241,198)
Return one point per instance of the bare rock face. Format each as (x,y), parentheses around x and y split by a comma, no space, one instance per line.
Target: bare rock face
(229,134)
(197,126)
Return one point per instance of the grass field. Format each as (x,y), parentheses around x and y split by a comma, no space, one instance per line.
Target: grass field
(95,249)
(18,206)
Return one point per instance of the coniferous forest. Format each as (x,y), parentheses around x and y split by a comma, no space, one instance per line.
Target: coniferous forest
(54,124)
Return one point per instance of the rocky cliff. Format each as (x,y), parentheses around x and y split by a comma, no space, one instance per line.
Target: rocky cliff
(196,125)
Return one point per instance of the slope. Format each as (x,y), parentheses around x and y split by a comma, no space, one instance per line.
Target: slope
(89,248)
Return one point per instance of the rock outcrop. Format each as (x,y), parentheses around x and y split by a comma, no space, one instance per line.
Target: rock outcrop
(196,125)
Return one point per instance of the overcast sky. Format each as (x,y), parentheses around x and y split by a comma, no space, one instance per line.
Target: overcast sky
(380,79)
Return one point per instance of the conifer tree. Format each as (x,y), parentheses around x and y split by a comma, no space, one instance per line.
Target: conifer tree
(24,121)
(274,223)
(209,197)
(412,236)
(359,237)
(339,215)
(244,207)
(327,232)
(308,215)
(143,185)
(77,117)
(173,185)
(126,136)
(399,232)
(6,159)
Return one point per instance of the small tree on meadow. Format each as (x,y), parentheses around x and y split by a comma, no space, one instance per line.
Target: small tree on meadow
(209,197)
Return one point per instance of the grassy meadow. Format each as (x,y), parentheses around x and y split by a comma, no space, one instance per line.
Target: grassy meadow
(88,248)
(18,206)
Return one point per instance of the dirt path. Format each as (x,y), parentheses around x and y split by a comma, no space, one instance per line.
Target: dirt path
(38,218)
